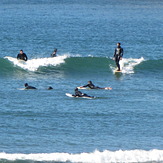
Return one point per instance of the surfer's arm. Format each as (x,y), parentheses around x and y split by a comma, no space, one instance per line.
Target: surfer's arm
(85,85)
(18,57)
(25,57)
(121,53)
(114,52)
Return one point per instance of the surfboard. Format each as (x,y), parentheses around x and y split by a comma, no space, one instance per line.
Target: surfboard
(116,71)
(83,87)
(106,88)
(71,95)
(15,60)
(21,88)
(22,61)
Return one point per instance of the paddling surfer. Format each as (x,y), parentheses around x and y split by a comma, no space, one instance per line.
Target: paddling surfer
(29,87)
(118,54)
(91,85)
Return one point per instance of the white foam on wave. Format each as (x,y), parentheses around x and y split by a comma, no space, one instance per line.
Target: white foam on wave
(34,64)
(95,157)
(127,65)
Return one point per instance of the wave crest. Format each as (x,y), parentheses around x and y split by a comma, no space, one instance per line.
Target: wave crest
(78,64)
(34,64)
(95,157)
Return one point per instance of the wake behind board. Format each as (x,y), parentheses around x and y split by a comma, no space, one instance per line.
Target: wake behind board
(87,97)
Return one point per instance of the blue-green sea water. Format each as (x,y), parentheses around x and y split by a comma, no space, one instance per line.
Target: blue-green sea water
(124,124)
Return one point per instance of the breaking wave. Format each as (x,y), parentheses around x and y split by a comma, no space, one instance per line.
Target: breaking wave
(128,156)
(77,64)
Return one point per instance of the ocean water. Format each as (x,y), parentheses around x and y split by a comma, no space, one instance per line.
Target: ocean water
(124,124)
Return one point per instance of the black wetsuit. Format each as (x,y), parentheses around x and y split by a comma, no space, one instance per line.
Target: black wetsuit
(22,57)
(78,93)
(91,86)
(54,53)
(29,87)
(118,55)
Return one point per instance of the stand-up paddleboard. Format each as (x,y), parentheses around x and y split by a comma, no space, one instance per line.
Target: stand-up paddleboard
(71,95)
(106,88)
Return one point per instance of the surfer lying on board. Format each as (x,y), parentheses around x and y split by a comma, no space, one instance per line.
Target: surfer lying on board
(54,53)
(92,86)
(22,56)
(28,87)
(118,54)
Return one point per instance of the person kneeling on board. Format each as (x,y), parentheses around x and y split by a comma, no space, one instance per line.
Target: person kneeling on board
(79,94)
(22,56)
(29,87)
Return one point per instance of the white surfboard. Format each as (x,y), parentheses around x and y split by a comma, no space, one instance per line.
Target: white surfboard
(106,88)
(116,71)
(71,95)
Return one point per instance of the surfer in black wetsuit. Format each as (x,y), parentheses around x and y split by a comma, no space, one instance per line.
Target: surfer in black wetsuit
(54,53)
(118,54)
(22,56)
(91,85)
(28,87)
(79,94)
(49,88)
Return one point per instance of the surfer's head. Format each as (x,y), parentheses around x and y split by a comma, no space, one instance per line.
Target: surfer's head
(76,89)
(89,82)
(118,44)
(26,84)
(21,51)
(49,88)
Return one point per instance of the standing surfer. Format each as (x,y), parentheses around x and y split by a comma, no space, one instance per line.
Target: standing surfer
(118,54)
(22,56)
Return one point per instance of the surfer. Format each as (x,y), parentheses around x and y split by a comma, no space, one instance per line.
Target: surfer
(22,56)
(118,54)
(49,88)
(54,53)
(28,87)
(91,85)
(79,94)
